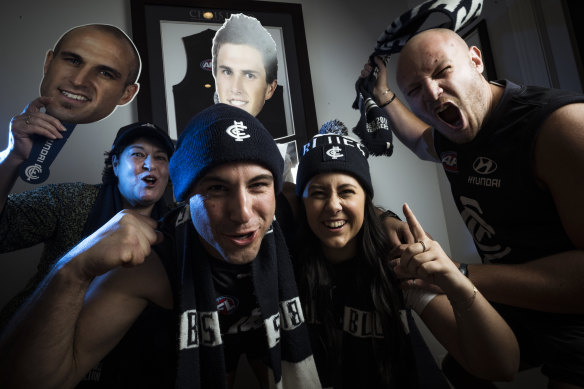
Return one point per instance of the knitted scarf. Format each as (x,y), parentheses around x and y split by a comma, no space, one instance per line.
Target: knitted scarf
(373,126)
(200,356)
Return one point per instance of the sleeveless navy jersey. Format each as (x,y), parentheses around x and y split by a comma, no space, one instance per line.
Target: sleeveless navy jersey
(511,218)
(191,95)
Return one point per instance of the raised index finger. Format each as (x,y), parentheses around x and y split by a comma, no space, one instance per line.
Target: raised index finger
(415,226)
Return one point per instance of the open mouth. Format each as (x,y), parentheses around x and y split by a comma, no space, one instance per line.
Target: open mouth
(149,180)
(450,114)
(336,224)
(243,236)
(243,239)
(73,96)
(237,103)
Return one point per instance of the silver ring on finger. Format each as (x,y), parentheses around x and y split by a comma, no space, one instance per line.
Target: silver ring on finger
(27,119)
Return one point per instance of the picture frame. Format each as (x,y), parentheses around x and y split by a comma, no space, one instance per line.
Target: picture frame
(575,25)
(477,35)
(174,37)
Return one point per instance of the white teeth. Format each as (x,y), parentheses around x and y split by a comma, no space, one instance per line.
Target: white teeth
(443,108)
(74,97)
(237,103)
(335,224)
(150,179)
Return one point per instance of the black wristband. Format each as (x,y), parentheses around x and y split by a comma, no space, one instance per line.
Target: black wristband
(388,213)
(388,102)
(463,267)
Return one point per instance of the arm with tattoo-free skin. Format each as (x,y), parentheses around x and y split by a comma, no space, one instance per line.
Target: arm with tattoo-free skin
(461,319)
(22,127)
(84,306)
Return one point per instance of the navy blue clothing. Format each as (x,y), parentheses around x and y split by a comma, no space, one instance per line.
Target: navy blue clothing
(513,219)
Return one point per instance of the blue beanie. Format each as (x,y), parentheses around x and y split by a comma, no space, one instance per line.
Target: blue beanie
(327,153)
(217,135)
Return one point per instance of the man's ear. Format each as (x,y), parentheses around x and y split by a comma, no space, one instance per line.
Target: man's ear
(476,58)
(129,92)
(48,59)
(271,89)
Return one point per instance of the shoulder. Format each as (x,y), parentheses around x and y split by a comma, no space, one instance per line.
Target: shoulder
(58,193)
(558,164)
(560,136)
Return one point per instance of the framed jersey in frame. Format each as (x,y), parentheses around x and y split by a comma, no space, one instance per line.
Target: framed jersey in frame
(174,39)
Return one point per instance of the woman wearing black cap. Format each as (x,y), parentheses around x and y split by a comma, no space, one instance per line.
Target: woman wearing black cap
(351,297)
(59,216)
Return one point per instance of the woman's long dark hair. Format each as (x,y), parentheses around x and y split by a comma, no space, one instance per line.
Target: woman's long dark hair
(314,285)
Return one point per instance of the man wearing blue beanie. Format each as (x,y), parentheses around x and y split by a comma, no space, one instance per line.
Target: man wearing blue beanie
(220,262)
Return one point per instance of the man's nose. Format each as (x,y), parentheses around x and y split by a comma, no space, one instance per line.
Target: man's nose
(241,207)
(433,89)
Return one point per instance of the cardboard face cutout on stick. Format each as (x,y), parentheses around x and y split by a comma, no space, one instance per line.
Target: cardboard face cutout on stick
(92,70)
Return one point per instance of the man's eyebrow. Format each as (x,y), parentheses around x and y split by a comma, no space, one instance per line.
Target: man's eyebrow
(260,177)
(70,54)
(216,178)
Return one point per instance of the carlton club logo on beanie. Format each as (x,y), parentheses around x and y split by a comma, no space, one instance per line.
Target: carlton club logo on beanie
(237,131)
(333,152)
(217,135)
(327,153)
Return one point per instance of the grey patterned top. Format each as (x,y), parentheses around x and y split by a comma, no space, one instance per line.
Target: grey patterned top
(51,214)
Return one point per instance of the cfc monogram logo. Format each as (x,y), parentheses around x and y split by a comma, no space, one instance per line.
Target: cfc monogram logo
(237,131)
(335,152)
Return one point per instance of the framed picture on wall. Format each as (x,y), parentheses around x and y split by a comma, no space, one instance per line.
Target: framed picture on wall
(175,38)
(575,24)
(478,36)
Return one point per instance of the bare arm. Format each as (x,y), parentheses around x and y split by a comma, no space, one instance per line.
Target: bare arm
(461,319)
(550,283)
(22,127)
(60,335)
(410,130)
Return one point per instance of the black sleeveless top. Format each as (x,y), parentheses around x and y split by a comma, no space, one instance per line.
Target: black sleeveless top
(511,218)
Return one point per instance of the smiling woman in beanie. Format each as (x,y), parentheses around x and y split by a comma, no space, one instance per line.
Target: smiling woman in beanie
(350,294)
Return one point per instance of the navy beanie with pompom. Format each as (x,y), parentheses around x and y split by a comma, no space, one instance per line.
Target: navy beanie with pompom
(217,135)
(329,151)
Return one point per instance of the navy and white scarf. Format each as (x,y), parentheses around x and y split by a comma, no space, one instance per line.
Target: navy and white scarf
(373,126)
(200,352)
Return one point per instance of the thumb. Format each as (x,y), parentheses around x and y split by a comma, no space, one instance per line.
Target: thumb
(159,237)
